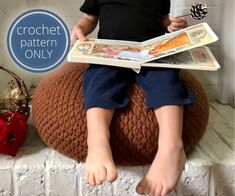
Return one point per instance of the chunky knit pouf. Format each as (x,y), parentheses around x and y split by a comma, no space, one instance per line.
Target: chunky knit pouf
(59,116)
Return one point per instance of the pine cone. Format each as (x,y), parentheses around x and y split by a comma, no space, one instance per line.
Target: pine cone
(198,11)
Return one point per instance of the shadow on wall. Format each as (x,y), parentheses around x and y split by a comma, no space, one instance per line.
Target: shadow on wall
(226,75)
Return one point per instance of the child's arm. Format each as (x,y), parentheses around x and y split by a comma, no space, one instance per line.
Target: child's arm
(83,27)
(174,23)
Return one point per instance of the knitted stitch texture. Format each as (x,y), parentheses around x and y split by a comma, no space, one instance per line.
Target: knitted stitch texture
(60,118)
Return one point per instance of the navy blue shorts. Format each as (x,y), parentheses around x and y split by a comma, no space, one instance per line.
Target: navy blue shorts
(106,86)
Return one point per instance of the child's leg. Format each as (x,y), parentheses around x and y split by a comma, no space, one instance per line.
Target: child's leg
(99,162)
(103,87)
(169,161)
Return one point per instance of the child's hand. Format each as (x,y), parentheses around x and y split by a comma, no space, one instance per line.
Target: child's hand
(176,23)
(77,34)
(84,26)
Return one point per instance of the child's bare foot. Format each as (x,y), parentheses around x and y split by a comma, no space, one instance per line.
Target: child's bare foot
(99,164)
(164,172)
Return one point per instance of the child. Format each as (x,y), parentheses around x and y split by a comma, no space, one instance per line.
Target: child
(104,90)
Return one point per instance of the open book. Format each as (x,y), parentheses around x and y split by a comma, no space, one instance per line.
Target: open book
(181,49)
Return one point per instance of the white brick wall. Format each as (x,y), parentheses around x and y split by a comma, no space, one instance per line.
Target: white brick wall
(68,10)
(65,178)
(40,171)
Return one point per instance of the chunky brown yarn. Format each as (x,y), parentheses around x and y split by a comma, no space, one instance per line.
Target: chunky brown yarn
(60,119)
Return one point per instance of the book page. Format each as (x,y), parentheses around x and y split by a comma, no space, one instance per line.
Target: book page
(105,52)
(199,58)
(109,49)
(182,40)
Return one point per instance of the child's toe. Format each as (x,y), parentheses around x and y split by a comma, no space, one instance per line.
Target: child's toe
(158,190)
(97,180)
(92,179)
(111,174)
(140,187)
(102,174)
(152,190)
(166,190)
